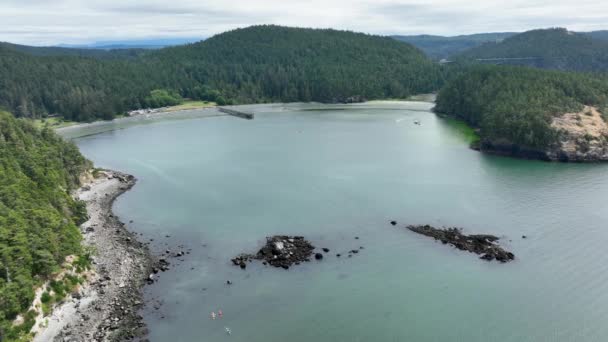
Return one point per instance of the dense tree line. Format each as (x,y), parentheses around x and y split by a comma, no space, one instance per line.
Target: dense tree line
(256,64)
(556,49)
(77,88)
(515,105)
(38,217)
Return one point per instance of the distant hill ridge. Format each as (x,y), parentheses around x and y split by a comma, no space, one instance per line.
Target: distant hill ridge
(116,53)
(440,47)
(445,47)
(556,48)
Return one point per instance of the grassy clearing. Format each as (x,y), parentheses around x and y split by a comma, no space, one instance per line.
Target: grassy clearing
(189,105)
(53,122)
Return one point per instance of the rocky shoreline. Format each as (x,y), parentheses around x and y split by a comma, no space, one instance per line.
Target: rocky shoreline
(480,244)
(581,138)
(107,307)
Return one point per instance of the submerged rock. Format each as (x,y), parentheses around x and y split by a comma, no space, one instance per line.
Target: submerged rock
(483,245)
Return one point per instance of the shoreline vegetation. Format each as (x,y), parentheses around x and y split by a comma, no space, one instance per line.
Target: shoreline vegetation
(40,243)
(59,123)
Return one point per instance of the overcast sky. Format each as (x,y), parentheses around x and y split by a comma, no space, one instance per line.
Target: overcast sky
(45,22)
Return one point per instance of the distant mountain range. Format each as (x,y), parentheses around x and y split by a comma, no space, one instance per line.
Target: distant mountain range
(133,44)
(103,49)
(75,52)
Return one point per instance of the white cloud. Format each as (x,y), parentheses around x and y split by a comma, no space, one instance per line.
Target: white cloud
(73,21)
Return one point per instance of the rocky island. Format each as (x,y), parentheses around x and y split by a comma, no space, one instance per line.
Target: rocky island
(481,244)
(281,251)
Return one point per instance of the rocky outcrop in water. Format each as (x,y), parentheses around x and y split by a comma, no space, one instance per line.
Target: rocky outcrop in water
(483,245)
(280,251)
(583,136)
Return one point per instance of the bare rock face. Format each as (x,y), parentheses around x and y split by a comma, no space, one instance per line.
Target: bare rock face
(583,136)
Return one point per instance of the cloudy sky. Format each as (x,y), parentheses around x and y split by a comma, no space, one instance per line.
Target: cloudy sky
(45,22)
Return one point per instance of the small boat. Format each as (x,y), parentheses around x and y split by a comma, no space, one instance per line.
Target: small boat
(417,122)
(213,315)
(220,314)
(228,331)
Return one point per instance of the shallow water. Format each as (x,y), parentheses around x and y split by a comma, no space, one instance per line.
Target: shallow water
(219,185)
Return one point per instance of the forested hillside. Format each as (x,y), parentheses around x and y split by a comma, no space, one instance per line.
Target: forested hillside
(256,64)
(557,49)
(78,88)
(271,63)
(38,218)
(515,105)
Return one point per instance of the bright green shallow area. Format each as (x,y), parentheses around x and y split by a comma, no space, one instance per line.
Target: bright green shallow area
(335,172)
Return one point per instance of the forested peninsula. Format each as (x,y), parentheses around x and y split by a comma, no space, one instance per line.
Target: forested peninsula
(532,113)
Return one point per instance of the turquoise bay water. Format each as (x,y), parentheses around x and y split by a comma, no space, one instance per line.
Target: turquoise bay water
(219,185)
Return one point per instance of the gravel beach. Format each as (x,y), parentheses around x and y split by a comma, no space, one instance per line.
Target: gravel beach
(106,308)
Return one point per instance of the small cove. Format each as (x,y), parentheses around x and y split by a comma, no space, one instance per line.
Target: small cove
(219,185)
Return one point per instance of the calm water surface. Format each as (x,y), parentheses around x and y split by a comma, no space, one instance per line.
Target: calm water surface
(219,185)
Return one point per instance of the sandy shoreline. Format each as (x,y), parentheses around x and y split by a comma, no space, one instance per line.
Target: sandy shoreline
(107,307)
(210,112)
